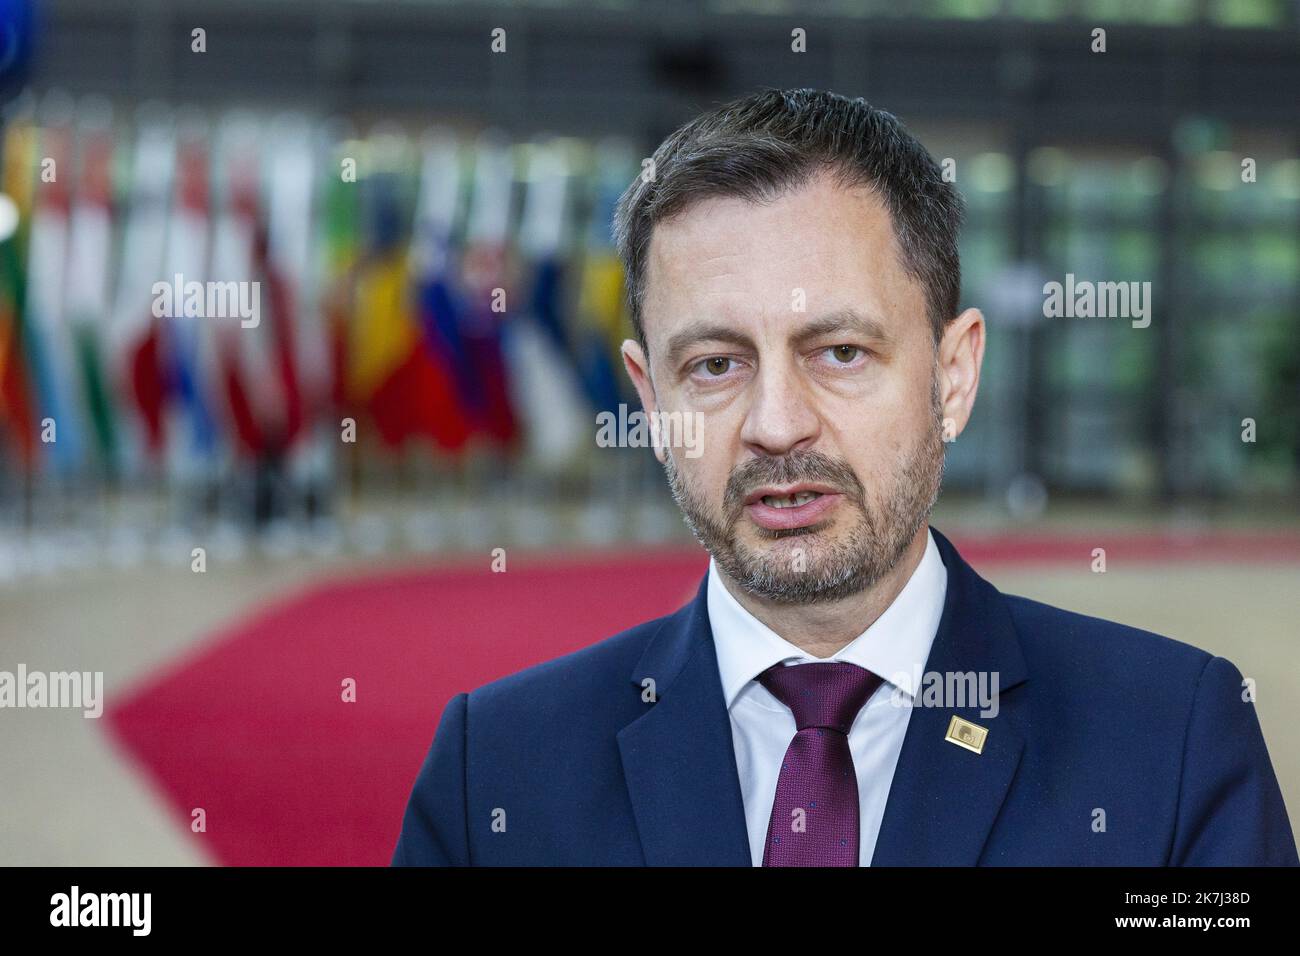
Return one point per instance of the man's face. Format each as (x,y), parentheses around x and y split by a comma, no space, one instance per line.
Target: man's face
(793,331)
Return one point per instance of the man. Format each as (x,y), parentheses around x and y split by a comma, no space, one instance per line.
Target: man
(794,281)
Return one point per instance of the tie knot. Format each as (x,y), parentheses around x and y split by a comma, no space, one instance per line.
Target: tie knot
(828,694)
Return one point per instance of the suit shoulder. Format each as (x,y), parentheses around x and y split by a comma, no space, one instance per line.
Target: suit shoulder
(1097,643)
(1103,678)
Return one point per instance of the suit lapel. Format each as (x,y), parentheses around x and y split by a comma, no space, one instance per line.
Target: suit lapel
(944,799)
(678,757)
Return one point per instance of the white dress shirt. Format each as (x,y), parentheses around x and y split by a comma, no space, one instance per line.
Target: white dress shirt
(895,647)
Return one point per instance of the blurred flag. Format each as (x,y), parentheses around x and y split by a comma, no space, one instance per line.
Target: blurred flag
(289,188)
(381,335)
(191,430)
(134,355)
(601,306)
(543,380)
(392,373)
(339,256)
(299,300)
(17,415)
(275,339)
(438,309)
(49,343)
(483,273)
(89,259)
(255,352)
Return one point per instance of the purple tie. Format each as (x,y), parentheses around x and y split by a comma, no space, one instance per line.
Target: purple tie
(815,814)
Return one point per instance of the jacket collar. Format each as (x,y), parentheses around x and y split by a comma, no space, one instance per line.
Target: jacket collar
(680,764)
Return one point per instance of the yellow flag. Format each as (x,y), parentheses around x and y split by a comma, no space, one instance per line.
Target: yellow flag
(383,330)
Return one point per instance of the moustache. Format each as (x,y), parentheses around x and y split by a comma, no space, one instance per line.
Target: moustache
(809,466)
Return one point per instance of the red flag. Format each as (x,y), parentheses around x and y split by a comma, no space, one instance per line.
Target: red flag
(16,416)
(258,364)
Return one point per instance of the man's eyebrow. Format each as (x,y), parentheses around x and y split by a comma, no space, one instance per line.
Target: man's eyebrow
(844,320)
(704,331)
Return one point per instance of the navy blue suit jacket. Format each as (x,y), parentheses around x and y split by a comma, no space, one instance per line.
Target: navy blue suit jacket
(569,763)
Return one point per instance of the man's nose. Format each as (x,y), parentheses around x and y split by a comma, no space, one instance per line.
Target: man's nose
(781,418)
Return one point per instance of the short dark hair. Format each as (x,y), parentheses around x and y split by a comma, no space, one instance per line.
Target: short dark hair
(764,144)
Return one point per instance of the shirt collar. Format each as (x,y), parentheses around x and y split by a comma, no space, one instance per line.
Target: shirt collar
(895,647)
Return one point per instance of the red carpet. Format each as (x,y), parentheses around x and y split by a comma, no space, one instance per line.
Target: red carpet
(251,727)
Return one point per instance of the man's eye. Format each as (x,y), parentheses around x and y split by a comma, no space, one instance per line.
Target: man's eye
(717,365)
(845,353)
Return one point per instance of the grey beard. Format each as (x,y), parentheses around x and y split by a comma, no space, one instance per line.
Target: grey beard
(873,548)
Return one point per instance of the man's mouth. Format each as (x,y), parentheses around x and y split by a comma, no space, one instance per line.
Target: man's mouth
(780,509)
(790,501)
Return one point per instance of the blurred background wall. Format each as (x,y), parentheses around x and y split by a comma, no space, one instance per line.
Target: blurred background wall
(413,200)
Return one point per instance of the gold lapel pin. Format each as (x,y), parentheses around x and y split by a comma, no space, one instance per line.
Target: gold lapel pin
(965,734)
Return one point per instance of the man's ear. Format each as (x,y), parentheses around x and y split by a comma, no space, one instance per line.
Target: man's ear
(961,353)
(638,369)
